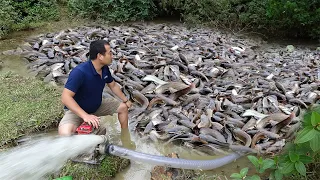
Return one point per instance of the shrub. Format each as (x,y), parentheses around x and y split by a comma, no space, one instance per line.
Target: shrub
(298,16)
(274,17)
(22,14)
(113,10)
(7,17)
(196,11)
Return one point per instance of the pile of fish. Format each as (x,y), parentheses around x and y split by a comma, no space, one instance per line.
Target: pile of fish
(207,90)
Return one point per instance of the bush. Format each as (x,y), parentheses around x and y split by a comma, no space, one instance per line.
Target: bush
(22,14)
(113,10)
(196,11)
(7,17)
(284,17)
(298,16)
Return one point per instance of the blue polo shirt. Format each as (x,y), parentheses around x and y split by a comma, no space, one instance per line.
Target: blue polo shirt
(88,85)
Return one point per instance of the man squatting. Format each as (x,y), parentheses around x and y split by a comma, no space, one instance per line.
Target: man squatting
(82,94)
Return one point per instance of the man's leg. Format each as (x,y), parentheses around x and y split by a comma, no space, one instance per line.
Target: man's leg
(69,124)
(109,106)
(126,139)
(123,115)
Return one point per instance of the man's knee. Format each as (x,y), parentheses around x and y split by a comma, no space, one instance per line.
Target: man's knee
(122,108)
(67,129)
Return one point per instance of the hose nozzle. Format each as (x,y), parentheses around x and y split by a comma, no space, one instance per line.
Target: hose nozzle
(104,146)
(105,139)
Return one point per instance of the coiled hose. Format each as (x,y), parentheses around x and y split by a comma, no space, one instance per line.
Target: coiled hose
(170,162)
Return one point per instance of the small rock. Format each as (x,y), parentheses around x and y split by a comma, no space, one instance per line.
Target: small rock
(290,48)
(53,83)
(48,78)
(174,48)
(19,50)
(36,46)
(26,47)
(50,35)
(50,54)
(8,52)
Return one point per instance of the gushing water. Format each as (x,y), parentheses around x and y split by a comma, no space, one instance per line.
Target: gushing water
(39,158)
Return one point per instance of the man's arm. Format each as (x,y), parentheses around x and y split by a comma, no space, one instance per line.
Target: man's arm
(115,88)
(67,99)
(72,105)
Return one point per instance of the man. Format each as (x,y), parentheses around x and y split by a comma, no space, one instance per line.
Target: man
(82,95)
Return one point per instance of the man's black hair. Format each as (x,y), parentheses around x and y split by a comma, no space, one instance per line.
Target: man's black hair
(97,47)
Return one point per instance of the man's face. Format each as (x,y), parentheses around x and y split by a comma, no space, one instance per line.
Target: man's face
(106,59)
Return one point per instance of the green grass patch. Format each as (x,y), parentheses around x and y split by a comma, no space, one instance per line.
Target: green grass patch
(27,105)
(108,169)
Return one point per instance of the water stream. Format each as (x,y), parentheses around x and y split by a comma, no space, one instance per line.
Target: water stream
(43,156)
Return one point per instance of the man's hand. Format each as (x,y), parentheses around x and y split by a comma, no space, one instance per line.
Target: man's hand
(92,120)
(129,104)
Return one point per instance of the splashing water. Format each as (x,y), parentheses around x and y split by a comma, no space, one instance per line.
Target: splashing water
(44,156)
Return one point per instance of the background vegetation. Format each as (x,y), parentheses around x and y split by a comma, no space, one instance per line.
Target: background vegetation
(113,10)
(280,17)
(21,14)
(291,18)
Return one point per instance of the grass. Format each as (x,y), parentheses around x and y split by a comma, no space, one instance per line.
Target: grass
(108,169)
(27,105)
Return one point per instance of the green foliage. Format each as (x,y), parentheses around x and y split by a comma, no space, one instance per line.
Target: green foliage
(283,165)
(109,166)
(243,175)
(113,10)
(273,17)
(17,15)
(310,132)
(261,164)
(296,15)
(296,156)
(197,11)
(284,17)
(7,17)
(64,178)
